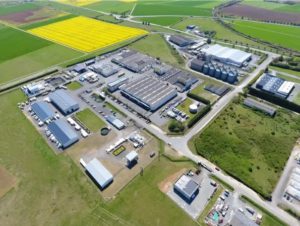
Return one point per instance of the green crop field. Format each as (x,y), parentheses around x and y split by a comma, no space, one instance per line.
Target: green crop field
(188,8)
(52,190)
(90,120)
(164,21)
(112,6)
(9,9)
(286,36)
(279,7)
(250,145)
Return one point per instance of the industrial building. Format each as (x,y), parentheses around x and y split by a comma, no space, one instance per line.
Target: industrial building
(227,55)
(180,40)
(114,86)
(134,61)
(63,133)
(115,122)
(187,188)
(215,71)
(80,68)
(105,70)
(63,101)
(34,89)
(148,92)
(99,173)
(267,109)
(293,187)
(274,85)
(43,110)
(218,90)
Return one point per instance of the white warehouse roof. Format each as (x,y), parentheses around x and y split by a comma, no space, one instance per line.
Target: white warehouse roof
(286,87)
(225,53)
(102,176)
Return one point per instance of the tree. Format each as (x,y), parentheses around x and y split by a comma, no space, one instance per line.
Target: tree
(209,41)
(176,126)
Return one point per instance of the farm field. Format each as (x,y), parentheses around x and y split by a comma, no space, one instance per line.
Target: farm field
(90,120)
(156,46)
(76,33)
(255,13)
(258,143)
(164,21)
(188,8)
(273,33)
(222,33)
(54,183)
(78,2)
(112,6)
(6,9)
(279,7)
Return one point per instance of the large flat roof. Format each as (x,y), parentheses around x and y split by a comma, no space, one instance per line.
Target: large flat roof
(62,99)
(43,110)
(99,172)
(186,185)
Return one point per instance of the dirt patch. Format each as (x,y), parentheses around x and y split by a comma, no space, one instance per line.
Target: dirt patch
(256,13)
(165,185)
(7,181)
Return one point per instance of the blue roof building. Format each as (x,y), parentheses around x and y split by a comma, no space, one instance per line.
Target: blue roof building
(43,110)
(63,101)
(115,122)
(63,133)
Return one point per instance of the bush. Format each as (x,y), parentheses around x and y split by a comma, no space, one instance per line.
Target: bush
(198,98)
(198,116)
(176,126)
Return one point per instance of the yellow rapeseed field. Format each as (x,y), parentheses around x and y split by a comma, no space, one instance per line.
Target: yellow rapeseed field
(86,34)
(78,2)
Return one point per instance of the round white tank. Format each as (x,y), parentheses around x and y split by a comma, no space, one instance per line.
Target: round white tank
(193,108)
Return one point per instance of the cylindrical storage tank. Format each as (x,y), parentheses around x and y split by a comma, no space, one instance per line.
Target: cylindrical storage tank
(193,108)
(218,73)
(205,69)
(224,75)
(212,70)
(232,77)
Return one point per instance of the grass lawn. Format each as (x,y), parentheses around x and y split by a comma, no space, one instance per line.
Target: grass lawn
(200,91)
(272,33)
(57,191)
(74,85)
(164,21)
(184,106)
(286,77)
(35,61)
(113,6)
(223,33)
(171,7)
(155,45)
(297,73)
(90,120)
(258,143)
(274,6)
(296,99)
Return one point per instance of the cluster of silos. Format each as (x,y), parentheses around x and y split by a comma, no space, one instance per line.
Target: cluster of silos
(215,71)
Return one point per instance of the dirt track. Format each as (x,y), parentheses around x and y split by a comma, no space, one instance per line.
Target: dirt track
(260,14)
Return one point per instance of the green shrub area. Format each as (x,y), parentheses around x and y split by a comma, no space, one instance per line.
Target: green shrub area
(119,150)
(74,85)
(249,145)
(176,126)
(90,120)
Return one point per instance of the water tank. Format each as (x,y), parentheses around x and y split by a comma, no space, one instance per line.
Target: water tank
(232,77)
(218,73)
(212,70)
(224,75)
(193,108)
(205,69)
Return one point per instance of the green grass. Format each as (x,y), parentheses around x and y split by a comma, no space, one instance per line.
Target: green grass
(258,143)
(35,61)
(74,85)
(156,46)
(164,21)
(58,192)
(268,218)
(200,91)
(279,7)
(114,109)
(286,77)
(144,204)
(272,33)
(188,8)
(10,9)
(112,6)
(222,33)
(297,73)
(90,120)
(14,43)
(296,99)
(184,107)
(209,206)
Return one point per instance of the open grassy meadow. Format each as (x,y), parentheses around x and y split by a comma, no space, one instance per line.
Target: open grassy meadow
(188,8)
(112,6)
(272,33)
(274,6)
(16,8)
(164,21)
(52,190)
(249,145)
(90,120)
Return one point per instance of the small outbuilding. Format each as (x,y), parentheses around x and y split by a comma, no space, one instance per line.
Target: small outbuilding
(186,188)
(132,158)
(99,173)
(115,122)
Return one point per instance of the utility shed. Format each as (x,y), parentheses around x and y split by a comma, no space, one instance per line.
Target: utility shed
(63,133)
(132,158)
(43,110)
(187,188)
(63,101)
(100,174)
(249,102)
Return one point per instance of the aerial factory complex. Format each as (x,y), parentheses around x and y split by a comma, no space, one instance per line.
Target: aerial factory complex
(145,113)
